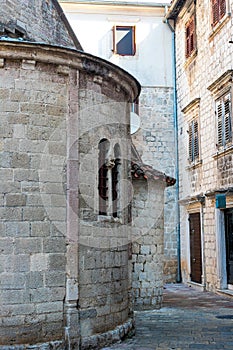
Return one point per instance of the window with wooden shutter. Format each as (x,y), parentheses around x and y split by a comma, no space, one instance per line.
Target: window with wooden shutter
(193,141)
(224,120)
(190,37)
(218,10)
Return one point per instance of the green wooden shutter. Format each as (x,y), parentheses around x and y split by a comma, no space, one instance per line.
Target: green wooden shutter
(190,142)
(219,113)
(196,140)
(227,118)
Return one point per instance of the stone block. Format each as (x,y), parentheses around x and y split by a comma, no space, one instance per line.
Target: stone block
(49,307)
(40,229)
(34,214)
(20,160)
(35,279)
(39,262)
(6,246)
(16,200)
(55,279)
(15,229)
(57,262)
(54,245)
(28,245)
(12,281)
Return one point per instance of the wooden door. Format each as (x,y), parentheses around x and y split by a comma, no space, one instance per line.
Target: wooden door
(229,244)
(195,247)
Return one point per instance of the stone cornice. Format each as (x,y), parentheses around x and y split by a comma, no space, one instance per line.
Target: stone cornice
(221,82)
(193,104)
(71,58)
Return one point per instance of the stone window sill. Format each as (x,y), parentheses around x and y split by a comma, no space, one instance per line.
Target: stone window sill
(196,164)
(216,29)
(223,151)
(190,59)
(109,218)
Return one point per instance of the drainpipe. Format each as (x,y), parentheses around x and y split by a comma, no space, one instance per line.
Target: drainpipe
(178,279)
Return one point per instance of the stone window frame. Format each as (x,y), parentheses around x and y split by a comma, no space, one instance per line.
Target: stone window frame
(220,88)
(192,119)
(109,175)
(132,47)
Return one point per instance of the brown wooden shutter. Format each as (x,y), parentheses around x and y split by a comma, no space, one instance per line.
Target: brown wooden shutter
(222,8)
(190,37)
(215,12)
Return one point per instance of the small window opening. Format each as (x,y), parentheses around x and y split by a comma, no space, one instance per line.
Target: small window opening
(124,40)
(103,177)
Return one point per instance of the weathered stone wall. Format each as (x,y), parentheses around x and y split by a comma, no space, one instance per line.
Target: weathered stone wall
(155,142)
(59,274)
(148,244)
(46,23)
(33,255)
(104,297)
(194,77)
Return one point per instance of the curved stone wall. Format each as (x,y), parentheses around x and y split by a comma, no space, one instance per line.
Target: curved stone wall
(64,270)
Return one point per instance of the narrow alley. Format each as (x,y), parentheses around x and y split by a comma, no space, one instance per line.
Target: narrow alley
(189,319)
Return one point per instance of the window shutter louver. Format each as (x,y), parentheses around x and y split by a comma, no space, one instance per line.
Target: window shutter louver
(190,37)
(218,10)
(219,123)
(190,143)
(227,118)
(222,8)
(196,141)
(215,11)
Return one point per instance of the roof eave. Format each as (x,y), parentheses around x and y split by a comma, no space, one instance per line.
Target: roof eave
(174,9)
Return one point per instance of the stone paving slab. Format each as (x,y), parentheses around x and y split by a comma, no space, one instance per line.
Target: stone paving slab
(189,319)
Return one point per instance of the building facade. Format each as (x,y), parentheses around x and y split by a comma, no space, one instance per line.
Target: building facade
(203,31)
(133,36)
(66,194)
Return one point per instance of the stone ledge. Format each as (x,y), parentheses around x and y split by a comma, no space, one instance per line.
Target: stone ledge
(53,345)
(97,341)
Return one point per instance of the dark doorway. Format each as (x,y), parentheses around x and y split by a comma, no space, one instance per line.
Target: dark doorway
(195,247)
(229,244)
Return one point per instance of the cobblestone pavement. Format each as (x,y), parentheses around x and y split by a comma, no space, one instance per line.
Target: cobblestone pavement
(189,319)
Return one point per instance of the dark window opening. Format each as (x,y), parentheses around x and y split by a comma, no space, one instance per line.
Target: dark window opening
(115,181)
(103,177)
(124,40)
